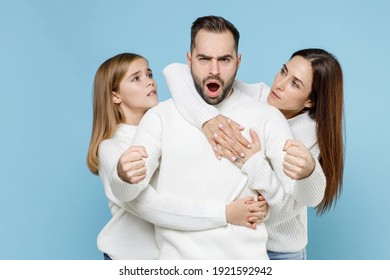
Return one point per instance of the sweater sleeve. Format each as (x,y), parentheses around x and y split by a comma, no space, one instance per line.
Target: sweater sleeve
(257,91)
(161,210)
(187,100)
(310,190)
(265,168)
(181,214)
(148,135)
(109,153)
(165,211)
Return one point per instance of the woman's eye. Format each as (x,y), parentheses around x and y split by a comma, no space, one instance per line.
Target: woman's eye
(295,84)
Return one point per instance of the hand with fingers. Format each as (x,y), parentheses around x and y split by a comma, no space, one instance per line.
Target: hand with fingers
(247,212)
(228,132)
(131,165)
(298,161)
(249,152)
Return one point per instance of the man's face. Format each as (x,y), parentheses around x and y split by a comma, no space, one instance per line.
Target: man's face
(214,63)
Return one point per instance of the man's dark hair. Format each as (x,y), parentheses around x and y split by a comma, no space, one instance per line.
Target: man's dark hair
(213,24)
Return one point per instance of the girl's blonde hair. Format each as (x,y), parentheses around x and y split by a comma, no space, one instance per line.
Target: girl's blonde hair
(106,114)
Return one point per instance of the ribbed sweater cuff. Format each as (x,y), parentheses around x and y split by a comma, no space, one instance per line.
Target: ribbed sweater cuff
(258,171)
(310,190)
(123,190)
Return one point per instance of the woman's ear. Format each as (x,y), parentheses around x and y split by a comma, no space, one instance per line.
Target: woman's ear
(116,97)
(308,103)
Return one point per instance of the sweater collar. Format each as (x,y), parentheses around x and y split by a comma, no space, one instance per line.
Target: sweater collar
(231,100)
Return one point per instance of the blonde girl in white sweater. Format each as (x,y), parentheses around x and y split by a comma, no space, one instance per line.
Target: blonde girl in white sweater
(308,90)
(124,89)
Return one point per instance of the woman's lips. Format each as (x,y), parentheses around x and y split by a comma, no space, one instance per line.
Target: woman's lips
(275,95)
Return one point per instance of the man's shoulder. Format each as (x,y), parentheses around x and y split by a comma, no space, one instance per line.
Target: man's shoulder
(163,105)
(256,105)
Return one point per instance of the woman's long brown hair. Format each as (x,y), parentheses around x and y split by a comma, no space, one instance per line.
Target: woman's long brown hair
(106,114)
(327,98)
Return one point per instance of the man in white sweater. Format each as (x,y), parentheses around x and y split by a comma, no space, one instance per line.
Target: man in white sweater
(187,165)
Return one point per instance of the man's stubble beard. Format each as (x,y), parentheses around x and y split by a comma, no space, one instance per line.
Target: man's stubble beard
(226,90)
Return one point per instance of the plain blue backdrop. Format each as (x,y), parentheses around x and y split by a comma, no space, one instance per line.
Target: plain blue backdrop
(52,207)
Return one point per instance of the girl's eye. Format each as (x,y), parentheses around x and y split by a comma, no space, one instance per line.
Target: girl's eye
(136,78)
(283,71)
(295,84)
(150,75)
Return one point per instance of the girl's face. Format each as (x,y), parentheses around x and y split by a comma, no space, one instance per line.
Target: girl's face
(137,91)
(291,88)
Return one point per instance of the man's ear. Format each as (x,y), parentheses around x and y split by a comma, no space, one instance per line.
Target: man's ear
(189,58)
(116,97)
(239,60)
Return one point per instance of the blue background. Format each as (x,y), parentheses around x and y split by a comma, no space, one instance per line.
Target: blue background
(52,207)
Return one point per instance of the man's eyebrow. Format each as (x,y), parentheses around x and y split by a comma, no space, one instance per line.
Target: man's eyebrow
(225,56)
(203,56)
(211,57)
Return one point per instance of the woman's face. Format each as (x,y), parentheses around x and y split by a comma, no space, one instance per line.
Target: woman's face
(292,86)
(137,91)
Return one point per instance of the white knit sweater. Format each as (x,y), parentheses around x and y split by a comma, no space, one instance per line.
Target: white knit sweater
(189,169)
(126,236)
(287,229)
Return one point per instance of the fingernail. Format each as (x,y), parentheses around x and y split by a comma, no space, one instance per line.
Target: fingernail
(233,158)
(242,155)
(220,125)
(215,149)
(215,135)
(219,157)
(229,120)
(249,146)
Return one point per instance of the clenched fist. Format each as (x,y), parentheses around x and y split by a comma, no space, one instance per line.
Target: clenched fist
(298,162)
(131,165)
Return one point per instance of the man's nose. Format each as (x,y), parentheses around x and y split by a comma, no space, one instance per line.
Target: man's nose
(214,67)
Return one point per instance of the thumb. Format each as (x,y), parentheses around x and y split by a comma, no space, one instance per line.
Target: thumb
(249,199)
(255,137)
(141,150)
(289,143)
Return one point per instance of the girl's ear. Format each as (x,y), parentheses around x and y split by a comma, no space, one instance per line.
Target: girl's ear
(116,97)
